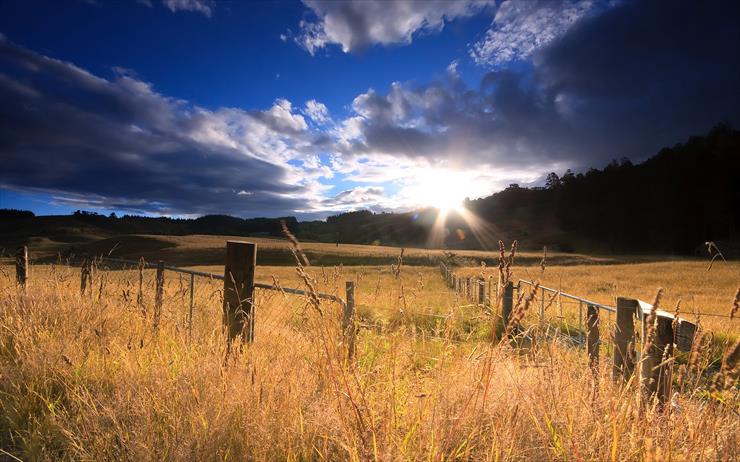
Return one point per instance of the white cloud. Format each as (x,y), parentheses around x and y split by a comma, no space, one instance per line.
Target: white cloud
(318,112)
(521,27)
(200,6)
(359,23)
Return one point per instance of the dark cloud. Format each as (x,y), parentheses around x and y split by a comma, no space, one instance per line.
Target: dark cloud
(119,144)
(623,83)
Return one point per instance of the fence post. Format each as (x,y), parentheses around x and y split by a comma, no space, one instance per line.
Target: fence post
(86,276)
(542,308)
(592,336)
(241,260)
(624,348)
(657,367)
(490,288)
(159,293)
(21,266)
(482,292)
(140,295)
(508,303)
(190,311)
(348,321)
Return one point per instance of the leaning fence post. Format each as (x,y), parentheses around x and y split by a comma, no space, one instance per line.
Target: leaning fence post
(624,357)
(657,364)
(21,266)
(348,320)
(592,336)
(241,260)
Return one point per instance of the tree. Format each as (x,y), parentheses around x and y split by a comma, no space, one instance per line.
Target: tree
(552,181)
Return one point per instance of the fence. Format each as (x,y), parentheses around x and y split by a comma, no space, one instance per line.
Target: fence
(657,341)
(656,344)
(238,289)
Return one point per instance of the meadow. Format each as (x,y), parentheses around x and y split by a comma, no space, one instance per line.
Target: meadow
(86,376)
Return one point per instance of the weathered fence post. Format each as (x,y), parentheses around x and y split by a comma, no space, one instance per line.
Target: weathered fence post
(241,260)
(469,288)
(624,348)
(507,303)
(140,295)
(86,276)
(348,320)
(190,311)
(657,366)
(159,293)
(482,292)
(542,307)
(592,337)
(21,266)
(490,288)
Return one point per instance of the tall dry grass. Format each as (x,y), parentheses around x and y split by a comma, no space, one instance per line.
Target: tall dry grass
(86,377)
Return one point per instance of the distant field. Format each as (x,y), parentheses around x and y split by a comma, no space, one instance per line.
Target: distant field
(209,250)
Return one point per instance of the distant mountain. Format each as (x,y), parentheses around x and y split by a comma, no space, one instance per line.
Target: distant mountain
(673,202)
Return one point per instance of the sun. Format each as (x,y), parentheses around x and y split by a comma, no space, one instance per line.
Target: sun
(443,189)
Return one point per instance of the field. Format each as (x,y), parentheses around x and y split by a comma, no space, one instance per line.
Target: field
(87,376)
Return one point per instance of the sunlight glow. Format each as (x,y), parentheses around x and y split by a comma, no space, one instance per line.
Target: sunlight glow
(442,189)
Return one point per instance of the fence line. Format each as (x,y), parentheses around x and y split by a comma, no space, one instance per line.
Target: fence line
(237,308)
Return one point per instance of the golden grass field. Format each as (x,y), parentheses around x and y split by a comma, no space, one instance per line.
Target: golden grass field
(85,377)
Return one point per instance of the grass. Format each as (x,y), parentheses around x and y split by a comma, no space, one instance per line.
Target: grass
(699,290)
(86,377)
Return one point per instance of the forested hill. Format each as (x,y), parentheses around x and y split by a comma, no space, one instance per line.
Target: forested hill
(674,202)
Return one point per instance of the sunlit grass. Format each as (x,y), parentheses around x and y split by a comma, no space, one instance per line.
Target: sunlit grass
(86,377)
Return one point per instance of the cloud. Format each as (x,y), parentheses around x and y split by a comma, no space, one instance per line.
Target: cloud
(361,197)
(521,27)
(354,25)
(317,112)
(623,83)
(119,144)
(200,6)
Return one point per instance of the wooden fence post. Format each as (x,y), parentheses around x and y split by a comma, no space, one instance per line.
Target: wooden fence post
(241,260)
(656,371)
(190,311)
(86,276)
(21,266)
(468,288)
(624,333)
(542,307)
(507,303)
(140,294)
(482,292)
(348,321)
(592,337)
(159,294)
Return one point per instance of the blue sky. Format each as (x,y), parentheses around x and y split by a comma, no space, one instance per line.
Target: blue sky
(188,107)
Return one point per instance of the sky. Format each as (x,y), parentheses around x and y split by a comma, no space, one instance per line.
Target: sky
(193,107)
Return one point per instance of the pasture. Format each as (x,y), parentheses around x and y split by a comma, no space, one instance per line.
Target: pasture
(85,376)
